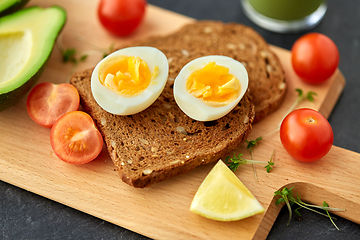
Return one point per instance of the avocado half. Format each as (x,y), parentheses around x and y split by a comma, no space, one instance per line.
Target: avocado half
(27,38)
(9,6)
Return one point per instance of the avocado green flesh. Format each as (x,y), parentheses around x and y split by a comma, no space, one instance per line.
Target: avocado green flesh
(15,50)
(27,38)
(9,6)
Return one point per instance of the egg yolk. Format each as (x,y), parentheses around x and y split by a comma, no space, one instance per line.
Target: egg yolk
(214,85)
(126,75)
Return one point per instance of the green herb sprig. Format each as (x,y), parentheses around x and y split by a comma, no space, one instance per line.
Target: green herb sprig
(301,97)
(235,162)
(328,214)
(250,145)
(286,195)
(70,55)
(270,163)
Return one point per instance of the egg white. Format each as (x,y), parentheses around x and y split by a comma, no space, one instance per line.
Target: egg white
(196,108)
(122,105)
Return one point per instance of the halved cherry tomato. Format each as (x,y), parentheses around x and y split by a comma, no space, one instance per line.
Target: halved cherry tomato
(121,17)
(47,102)
(315,57)
(306,135)
(75,138)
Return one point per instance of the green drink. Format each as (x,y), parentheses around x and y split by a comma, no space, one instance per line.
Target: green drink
(285,15)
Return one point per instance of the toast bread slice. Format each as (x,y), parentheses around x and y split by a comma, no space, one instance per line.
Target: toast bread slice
(162,141)
(267,82)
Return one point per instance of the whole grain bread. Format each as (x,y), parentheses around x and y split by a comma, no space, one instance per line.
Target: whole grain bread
(267,81)
(162,141)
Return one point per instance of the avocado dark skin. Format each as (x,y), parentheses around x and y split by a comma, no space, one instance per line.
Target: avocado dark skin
(13,8)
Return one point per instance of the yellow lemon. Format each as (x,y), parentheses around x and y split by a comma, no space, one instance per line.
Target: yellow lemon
(223,197)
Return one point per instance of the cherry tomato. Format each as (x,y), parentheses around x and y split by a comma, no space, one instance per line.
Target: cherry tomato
(306,135)
(315,57)
(121,17)
(75,138)
(47,102)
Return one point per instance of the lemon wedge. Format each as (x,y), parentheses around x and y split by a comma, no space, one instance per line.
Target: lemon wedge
(223,197)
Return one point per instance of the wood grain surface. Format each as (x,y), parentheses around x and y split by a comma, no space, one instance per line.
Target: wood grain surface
(161,211)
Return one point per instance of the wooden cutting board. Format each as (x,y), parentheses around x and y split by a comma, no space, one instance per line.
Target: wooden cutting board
(161,211)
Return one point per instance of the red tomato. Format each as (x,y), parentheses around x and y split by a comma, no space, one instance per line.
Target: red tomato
(75,138)
(121,17)
(315,57)
(306,135)
(47,102)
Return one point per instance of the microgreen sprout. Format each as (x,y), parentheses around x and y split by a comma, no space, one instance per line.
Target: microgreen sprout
(331,218)
(286,196)
(301,96)
(270,163)
(250,145)
(69,55)
(235,162)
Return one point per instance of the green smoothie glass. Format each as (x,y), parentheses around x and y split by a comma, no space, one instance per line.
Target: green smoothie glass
(285,16)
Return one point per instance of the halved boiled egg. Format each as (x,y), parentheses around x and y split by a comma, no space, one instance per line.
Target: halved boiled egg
(129,80)
(209,87)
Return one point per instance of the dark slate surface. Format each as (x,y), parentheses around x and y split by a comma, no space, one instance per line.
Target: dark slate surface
(24,215)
